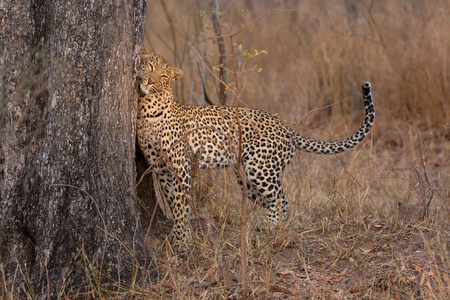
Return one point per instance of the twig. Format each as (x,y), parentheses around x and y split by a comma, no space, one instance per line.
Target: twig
(422,162)
(202,80)
(243,179)
(214,4)
(266,13)
(377,29)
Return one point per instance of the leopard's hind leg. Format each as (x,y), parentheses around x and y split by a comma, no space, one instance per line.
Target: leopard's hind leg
(252,193)
(264,178)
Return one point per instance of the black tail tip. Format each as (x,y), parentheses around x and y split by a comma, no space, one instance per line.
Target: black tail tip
(366,88)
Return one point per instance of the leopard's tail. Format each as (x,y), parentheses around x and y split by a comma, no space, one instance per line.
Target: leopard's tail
(323,147)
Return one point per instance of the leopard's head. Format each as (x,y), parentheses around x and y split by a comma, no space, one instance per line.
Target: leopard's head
(156,74)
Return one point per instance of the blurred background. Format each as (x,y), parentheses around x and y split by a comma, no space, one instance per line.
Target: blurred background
(316,54)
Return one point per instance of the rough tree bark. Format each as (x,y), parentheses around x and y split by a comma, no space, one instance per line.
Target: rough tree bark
(67,133)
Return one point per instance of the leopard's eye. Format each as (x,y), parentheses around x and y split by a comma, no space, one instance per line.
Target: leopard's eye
(164,77)
(151,67)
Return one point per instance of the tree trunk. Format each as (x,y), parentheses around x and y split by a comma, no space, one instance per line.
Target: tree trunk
(67,133)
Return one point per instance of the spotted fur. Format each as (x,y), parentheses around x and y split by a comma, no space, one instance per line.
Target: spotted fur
(175,131)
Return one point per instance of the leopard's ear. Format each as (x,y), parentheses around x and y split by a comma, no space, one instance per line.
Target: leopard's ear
(147,52)
(177,73)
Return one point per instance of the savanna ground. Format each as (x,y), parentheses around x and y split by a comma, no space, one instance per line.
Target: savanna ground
(371,223)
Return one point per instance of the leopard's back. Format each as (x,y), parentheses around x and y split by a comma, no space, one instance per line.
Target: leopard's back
(213,133)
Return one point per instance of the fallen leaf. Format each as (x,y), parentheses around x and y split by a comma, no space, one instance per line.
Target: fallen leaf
(380,226)
(276,288)
(418,268)
(285,272)
(276,246)
(366,251)
(353,290)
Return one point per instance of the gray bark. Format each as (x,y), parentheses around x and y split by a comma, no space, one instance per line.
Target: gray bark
(67,133)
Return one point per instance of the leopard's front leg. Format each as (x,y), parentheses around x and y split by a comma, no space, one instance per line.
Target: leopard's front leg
(180,186)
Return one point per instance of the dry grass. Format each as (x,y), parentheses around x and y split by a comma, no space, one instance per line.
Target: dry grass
(354,231)
(359,225)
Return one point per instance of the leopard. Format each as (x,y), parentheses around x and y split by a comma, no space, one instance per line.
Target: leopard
(170,133)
